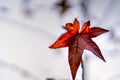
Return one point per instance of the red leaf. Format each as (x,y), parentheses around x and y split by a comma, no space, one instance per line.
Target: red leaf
(75,55)
(78,41)
(64,39)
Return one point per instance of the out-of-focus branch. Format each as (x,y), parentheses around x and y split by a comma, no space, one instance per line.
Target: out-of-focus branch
(84,8)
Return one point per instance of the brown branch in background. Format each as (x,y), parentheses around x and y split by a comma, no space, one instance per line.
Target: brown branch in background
(63,6)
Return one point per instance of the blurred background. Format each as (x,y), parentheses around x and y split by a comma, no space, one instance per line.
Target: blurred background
(28,27)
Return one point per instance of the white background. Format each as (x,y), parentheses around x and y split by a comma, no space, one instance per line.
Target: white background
(24,40)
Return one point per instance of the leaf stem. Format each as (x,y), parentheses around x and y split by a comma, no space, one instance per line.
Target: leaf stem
(83,71)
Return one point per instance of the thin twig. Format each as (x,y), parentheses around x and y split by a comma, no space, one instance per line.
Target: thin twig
(83,73)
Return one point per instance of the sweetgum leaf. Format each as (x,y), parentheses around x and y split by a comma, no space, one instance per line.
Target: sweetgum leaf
(75,55)
(77,41)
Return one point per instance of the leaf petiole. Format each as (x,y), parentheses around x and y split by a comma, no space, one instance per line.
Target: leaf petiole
(83,71)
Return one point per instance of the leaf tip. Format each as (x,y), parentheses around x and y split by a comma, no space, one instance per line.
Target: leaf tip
(75,20)
(107,30)
(50,47)
(88,22)
(53,46)
(102,58)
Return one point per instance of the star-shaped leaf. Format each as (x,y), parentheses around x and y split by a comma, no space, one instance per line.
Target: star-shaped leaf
(77,41)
